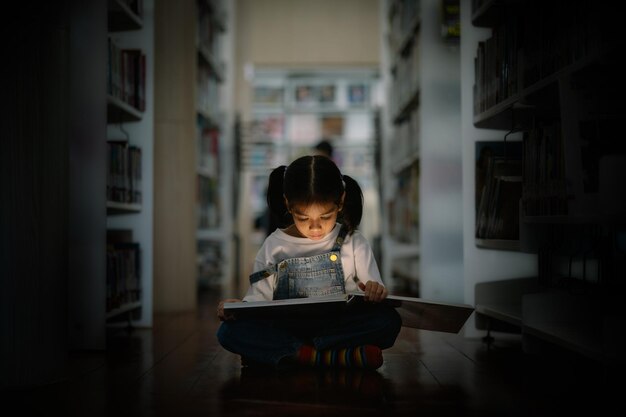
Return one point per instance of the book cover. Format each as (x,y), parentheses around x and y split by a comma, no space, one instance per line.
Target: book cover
(415,312)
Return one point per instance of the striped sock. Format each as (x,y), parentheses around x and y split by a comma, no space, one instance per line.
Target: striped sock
(368,356)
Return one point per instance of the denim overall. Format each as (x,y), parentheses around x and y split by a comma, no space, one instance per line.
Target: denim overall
(308,276)
(268,341)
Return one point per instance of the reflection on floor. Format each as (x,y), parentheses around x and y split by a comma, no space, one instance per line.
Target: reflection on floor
(178,369)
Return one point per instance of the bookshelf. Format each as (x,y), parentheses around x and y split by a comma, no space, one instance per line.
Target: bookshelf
(420,146)
(213,217)
(129,163)
(548,71)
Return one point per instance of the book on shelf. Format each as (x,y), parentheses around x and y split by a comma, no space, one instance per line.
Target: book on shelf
(591,117)
(268,95)
(417,313)
(123,269)
(126,74)
(358,94)
(498,189)
(332,126)
(123,172)
(114,82)
(544,185)
(451,20)
(133,78)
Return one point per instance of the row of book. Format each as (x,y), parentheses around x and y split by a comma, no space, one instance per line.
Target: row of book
(126,75)
(545,183)
(208,202)
(406,80)
(311,95)
(534,42)
(207,92)
(123,173)
(498,190)
(496,68)
(306,128)
(210,261)
(208,27)
(405,143)
(402,17)
(404,207)
(451,20)
(123,274)
(565,167)
(208,151)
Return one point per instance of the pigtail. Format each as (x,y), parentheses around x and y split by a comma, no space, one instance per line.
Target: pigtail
(275,197)
(352,210)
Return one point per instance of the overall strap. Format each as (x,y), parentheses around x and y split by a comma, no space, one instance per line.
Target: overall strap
(262,274)
(340,238)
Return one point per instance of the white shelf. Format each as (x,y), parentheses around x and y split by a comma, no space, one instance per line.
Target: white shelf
(405,162)
(578,322)
(206,115)
(507,312)
(123,309)
(209,59)
(500,244)
(114,207)
(210,234)
(122,18)
(403,250)
(119,111)
(408,107)
(205,172)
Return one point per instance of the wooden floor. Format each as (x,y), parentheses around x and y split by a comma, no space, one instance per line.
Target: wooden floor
(178,369)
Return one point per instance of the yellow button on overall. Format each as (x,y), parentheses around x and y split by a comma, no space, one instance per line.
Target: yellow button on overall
(333,257)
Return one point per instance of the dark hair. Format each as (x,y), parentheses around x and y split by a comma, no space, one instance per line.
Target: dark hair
(314,179)
(325,146)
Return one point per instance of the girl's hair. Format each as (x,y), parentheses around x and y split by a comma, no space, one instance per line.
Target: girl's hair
(309,180)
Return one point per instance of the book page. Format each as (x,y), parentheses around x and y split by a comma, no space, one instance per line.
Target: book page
(423,314)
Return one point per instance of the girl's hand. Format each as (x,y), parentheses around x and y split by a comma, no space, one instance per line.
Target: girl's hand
(374,291)
(220,309)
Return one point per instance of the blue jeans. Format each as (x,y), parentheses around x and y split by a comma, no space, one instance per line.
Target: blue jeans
(269,341)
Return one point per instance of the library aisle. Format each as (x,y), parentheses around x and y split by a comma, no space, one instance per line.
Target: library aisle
(412,114)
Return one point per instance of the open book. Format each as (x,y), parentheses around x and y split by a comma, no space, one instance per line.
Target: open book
(415,312)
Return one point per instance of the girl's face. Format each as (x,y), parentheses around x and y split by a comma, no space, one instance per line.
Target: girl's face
(316,220)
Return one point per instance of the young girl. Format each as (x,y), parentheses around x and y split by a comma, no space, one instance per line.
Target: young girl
(318,252)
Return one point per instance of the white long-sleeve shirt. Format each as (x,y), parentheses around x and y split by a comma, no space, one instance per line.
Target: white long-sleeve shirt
(356,256)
